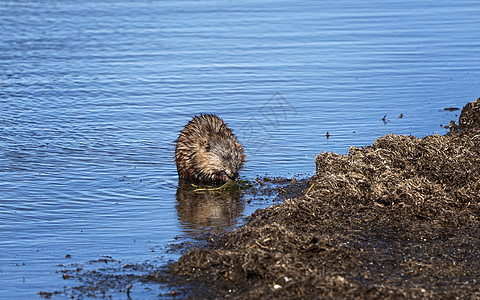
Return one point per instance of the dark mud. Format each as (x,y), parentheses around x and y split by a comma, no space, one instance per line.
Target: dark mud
(397,219)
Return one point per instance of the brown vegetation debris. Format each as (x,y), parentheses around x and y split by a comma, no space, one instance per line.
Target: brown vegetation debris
(397,219)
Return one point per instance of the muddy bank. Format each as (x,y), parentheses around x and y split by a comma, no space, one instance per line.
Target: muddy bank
(397,219)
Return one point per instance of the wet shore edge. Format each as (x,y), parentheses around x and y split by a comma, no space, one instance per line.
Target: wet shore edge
(397,219)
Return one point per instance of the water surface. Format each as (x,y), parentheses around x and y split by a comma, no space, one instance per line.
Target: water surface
(93,94)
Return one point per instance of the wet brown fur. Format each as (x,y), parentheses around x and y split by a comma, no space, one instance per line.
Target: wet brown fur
(208,151)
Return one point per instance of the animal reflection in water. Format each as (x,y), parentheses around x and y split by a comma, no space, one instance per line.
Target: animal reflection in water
(208,210)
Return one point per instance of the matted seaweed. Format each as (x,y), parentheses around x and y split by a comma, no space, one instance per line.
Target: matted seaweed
(397,219)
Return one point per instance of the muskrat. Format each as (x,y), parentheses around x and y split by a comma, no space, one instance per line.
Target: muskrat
(208,151)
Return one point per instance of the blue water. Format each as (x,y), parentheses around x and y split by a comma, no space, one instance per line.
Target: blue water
(93,94)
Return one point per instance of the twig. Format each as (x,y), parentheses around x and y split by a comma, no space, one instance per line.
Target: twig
(306,194)
(128,291)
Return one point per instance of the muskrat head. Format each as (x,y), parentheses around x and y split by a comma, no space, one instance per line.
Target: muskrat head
(221,158)
(207,150)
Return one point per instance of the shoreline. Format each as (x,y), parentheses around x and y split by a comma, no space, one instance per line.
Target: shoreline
(397,219)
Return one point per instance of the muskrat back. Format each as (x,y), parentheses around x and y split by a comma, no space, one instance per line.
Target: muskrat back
(207,150)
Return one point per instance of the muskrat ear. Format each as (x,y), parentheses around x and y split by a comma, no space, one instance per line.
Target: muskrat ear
(207,147)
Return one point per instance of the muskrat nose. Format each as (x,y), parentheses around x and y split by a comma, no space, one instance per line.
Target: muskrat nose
(234,176)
